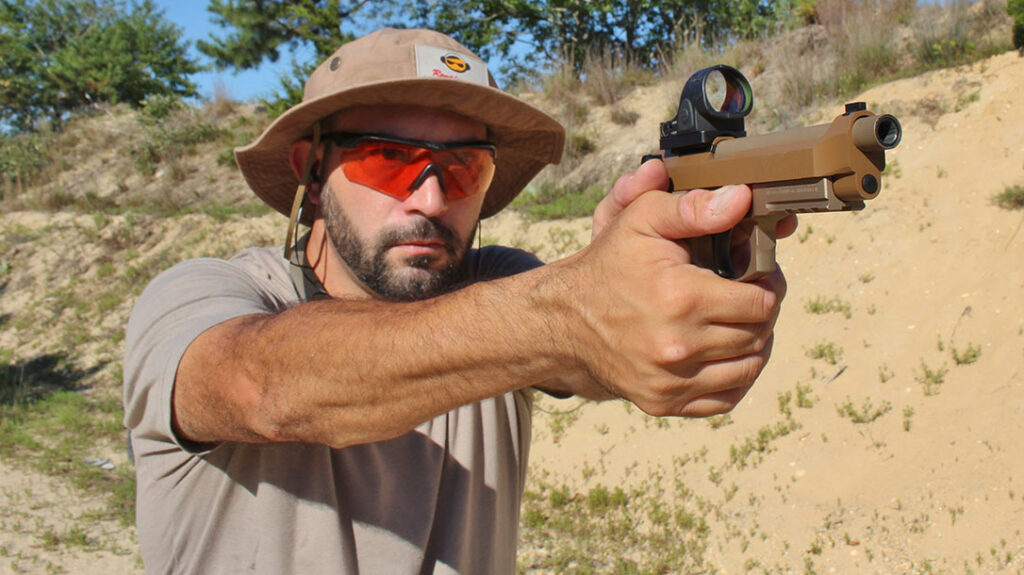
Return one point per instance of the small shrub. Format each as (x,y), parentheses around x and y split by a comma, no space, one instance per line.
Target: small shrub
(866,413)
(1011,198)
(820,305)
(1015,9)
(22,159)
(966,357)
(549,201)
(624,117)
(803,396)
(828,351)
(578,145)
(158,108)
(885,373)
(931,379)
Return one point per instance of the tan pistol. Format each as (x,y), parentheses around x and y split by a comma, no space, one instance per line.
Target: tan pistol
(825,168)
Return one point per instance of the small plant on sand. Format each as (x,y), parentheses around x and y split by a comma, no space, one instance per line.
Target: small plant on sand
(908,412)
(967,356)
(885,373)
(828,351)
(866,413)
(803,396)
(719,421)
(930,378)
(751,451)
(1011,198)
(821,305)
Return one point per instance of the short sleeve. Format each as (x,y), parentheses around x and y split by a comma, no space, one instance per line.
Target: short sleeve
(176,307)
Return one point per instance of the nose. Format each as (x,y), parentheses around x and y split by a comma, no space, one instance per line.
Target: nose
(428,196)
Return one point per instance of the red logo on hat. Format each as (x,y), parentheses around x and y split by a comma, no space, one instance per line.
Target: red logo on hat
(455,63)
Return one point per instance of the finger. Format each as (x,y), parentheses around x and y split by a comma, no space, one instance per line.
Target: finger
(651,175)
(726,342)
(723,301)
(691,214)
(722,385)
(786,226)
(715,403)
(715,387)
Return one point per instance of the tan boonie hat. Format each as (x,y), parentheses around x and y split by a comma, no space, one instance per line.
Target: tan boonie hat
(416,68)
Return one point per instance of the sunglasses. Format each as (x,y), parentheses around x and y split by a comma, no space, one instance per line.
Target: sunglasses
(397,167)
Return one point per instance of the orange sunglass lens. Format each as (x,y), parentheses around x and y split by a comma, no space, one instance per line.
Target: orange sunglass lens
(392,168)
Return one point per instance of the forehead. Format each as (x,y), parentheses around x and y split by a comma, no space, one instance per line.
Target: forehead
(406,122)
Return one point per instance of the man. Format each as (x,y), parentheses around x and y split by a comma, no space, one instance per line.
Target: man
(362,404)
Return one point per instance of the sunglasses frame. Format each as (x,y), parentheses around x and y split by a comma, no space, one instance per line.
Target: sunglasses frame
(345,140)
(349,140)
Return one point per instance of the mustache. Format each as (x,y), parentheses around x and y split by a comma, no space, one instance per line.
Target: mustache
(422,229)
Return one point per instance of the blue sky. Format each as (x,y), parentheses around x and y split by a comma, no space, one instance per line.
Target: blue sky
(194,20)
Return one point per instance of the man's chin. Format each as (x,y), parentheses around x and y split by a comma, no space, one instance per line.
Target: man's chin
(416,278)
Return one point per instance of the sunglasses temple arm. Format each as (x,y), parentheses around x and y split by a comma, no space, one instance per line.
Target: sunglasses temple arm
(300,194)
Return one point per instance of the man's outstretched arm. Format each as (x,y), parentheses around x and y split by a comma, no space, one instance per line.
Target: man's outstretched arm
(628,313)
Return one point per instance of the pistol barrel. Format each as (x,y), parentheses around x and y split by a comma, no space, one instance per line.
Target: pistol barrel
(877,133)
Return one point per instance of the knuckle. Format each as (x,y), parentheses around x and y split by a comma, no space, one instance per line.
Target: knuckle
(762,341)
(671,351)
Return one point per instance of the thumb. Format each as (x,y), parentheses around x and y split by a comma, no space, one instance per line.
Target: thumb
(691,214)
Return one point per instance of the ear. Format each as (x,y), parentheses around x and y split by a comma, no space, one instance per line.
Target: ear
(297,158)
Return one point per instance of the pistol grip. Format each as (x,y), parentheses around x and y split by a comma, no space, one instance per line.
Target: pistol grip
(762,247)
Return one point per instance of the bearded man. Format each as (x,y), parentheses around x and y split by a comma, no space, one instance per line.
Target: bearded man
(358,400)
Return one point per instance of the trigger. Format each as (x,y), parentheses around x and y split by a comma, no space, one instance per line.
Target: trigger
(720,248)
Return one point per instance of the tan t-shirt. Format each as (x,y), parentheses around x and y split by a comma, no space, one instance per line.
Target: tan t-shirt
(443,498)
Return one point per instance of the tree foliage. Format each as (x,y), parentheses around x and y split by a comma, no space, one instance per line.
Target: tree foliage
(259,29)
(57,56)
(643,32)
(525,34)
(1015,8)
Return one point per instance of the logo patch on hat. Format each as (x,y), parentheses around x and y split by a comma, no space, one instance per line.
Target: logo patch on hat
(435,62)
(455,63)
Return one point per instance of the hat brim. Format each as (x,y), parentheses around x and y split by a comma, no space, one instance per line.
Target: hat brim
(526,138)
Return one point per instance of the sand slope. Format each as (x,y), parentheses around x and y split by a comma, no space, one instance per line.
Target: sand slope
(930,266)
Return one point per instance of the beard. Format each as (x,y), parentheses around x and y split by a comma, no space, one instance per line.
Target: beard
(416,277)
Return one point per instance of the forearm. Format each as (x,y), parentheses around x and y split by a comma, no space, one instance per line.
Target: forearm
(347,372)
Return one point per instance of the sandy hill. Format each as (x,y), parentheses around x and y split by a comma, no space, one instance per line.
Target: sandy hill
(884,437)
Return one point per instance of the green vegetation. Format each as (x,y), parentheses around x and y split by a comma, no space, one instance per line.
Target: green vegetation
(1011,198)
(885,373)
(46,422)
(750,452)
(866,413)
(967,356)
(60,56)
(821,305)
(547,202)
(828,351)
(1015,8)
(588,523)
(931,379)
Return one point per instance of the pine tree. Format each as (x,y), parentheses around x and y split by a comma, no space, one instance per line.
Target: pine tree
(59,56)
